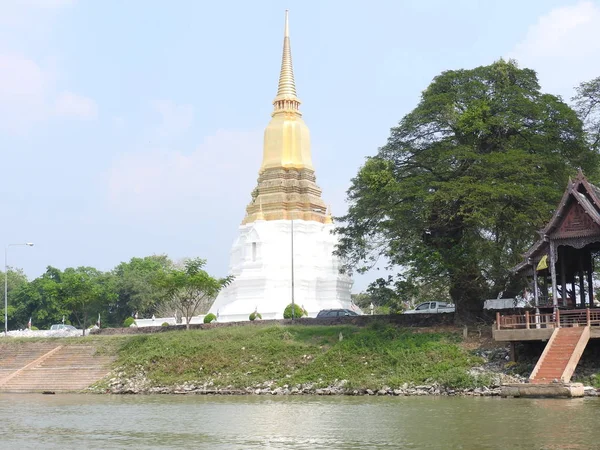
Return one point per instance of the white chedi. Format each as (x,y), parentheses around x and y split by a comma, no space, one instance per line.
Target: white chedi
(261,262)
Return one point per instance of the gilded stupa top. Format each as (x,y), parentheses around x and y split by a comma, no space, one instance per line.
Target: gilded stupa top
(287,186)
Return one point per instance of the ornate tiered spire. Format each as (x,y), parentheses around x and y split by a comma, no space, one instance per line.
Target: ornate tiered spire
(287,186)
(286,99)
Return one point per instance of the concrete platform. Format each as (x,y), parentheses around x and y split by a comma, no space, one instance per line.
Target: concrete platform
(550,390)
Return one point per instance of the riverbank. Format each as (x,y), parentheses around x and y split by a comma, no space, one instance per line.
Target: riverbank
(317,360)
(275,359)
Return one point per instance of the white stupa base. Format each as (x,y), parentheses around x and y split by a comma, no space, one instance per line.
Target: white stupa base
(261,262)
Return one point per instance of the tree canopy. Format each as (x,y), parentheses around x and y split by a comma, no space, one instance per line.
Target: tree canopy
(464,181)
(78,295)
(587,104)
(134,286)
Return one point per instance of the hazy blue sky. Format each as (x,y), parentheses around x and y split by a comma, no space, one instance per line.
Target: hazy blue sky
(131,128)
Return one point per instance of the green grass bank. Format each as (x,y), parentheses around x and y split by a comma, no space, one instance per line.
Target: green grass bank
(284,356)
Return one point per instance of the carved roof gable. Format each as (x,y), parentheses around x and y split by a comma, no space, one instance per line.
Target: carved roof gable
(580,204)
(577,215)
(578,220)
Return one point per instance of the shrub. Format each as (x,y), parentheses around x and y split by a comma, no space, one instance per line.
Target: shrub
(128,322)
(165,324)
(33,327)
(255,315)
(298,312)
(209,318)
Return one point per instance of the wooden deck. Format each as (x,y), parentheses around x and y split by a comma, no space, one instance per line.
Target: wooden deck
(539,327)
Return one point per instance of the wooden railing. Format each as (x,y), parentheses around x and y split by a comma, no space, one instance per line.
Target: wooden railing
(564,318)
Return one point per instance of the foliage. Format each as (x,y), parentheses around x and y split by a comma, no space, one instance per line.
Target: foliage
(134,286)
(190,289)
(74,295)
(209,318)
(40,299)
(85,291)
(397,294)
(464,182)
(238,357)
(165,324)
(255,315)
(17,316)
(128,322)
(298,311)
(77,295)
(34,328)
(587,105)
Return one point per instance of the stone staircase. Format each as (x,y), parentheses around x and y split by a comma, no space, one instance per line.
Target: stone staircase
(50,367)
(561,355)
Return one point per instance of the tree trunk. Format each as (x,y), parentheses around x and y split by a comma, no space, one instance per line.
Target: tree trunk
(467,294)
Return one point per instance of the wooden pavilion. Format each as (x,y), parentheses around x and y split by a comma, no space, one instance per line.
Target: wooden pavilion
(561,264)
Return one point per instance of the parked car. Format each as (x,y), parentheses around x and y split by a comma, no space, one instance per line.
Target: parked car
(432,308)
(62,326)
(336,313)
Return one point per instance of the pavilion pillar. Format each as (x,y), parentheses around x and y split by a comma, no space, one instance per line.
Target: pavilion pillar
(545,290)
(563,277)
(553,274)
(581,283)
(536,296)
(573,295)
(590,281)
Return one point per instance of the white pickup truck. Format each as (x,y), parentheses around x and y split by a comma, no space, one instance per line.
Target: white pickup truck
(432,308)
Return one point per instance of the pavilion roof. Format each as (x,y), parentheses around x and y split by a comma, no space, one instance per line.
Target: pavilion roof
(580,192)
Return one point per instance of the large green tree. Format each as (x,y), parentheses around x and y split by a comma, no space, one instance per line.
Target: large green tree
(465,180)
(85,291)
(15,279)
(136,292)
(587,104)
(40,299)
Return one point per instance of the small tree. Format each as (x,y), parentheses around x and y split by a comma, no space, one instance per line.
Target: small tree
(190,289)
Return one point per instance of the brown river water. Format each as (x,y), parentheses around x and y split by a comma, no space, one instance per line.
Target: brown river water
(303,422)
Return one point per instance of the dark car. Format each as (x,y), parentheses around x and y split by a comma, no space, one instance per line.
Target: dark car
(336,313)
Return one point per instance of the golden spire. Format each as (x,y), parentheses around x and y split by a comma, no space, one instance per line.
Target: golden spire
(286,98)
(286,178)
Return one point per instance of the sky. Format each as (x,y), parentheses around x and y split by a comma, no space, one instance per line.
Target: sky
(135,128)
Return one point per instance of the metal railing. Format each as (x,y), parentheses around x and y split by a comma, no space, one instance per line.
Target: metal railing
(558,319)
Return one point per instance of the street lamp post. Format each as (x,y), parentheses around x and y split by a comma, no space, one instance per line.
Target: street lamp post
(28,244)
(293,305)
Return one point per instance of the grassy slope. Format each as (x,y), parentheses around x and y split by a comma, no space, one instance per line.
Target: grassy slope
(239,357)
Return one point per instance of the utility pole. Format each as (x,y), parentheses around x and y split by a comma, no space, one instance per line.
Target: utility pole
(293,306)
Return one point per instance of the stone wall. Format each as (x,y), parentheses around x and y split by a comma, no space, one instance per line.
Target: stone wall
(399,320)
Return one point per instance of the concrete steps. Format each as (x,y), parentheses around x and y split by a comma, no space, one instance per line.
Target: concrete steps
(15,356)
(59,368)
(561,355)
